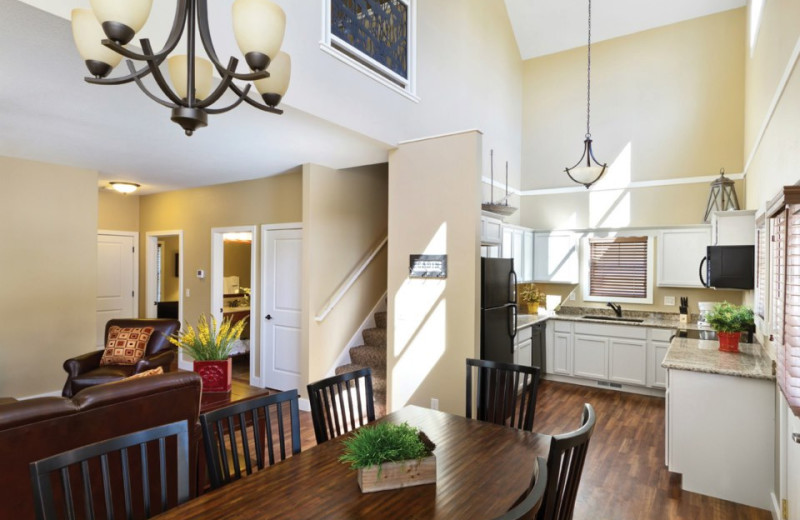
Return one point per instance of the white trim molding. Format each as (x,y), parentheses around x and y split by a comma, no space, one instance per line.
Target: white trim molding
(629,186)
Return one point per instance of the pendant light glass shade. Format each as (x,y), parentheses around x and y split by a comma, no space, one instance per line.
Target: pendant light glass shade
(258,26)
(130,14)
(587,170)
(87,33)
(202,76)
(273,88)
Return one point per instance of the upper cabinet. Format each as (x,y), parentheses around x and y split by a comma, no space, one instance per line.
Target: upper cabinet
(555,257)
(679,254)
(733,228)
(518,244)
(491,231)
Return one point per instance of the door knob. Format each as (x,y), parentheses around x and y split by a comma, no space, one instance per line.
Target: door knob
(268,316)
(796,437)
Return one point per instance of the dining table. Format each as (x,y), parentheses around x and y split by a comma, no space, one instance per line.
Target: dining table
(482,469)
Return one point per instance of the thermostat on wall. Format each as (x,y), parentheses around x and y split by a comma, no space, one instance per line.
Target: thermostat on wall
(201,274)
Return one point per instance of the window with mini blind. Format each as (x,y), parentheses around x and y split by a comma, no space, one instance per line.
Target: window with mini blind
(619,269)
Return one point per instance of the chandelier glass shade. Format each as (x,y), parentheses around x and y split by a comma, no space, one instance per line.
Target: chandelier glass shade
(101,35)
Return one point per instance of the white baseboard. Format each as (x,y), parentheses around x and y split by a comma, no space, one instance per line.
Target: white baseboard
(632,389)
(304,405)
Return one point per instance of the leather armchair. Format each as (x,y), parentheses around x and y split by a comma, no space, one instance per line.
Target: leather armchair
(85,370)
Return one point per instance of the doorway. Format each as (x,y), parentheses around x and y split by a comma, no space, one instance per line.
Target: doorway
(164,282)
(233,294)
(117,279)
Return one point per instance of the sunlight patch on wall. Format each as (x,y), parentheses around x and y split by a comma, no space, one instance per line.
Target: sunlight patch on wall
(611,207)
(756,7)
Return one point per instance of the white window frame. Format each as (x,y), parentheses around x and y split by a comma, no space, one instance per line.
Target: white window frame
(403,86)
(586,256)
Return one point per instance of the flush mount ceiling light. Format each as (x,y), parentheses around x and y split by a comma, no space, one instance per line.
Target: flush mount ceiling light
(124,187)
(584,172)
(722,196)
(258,25)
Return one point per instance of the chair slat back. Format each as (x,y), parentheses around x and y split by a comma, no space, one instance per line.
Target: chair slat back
(565,465)
(531,502)
(246,432)
(505,393)
(342,403)
(79,472)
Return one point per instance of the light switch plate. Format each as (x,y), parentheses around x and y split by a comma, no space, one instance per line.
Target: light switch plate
(669,300)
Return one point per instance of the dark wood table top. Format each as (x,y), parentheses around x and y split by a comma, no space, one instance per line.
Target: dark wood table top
(482,468)
(239,392)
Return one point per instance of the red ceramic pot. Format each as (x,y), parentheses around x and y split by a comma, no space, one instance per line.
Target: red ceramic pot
(729,341)
(216,375)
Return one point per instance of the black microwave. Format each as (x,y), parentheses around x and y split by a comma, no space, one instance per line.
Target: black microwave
(728,267)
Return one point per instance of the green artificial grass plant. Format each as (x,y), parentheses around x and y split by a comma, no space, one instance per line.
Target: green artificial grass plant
(385,442)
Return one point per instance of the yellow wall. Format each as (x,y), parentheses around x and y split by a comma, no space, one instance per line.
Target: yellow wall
(49,272)
(433,325)
(344,218)
(236,261)
(117,212)
(666,103)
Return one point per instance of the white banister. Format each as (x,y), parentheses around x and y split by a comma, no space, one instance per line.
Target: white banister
(351,280)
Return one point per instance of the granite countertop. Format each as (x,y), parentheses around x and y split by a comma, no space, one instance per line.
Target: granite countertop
(697,355)
(649,319)
(526,320)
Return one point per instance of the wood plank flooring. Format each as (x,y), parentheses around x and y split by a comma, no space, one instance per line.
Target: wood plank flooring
(624,476)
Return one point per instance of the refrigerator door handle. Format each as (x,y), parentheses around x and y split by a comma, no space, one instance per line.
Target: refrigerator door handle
(513,323)
(512,287)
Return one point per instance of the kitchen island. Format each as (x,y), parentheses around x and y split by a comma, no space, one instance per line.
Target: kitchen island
(720,420)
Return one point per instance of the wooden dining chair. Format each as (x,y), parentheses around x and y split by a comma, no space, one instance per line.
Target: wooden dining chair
(564,466)
(531,502)
(505,393)
(131,476)
(341,403)
(249,432)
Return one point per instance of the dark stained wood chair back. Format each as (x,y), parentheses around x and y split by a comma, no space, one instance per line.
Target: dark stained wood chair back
(564,466)
(505,393)
(341,403)
(248,432)
(137,475)
(531,502)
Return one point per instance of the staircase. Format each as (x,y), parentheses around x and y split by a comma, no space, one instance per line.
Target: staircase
(372,354)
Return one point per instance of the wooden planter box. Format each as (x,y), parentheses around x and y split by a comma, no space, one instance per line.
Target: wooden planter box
(216,375)
(394,475)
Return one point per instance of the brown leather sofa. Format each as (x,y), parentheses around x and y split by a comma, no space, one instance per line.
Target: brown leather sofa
(37,428)
(85,371)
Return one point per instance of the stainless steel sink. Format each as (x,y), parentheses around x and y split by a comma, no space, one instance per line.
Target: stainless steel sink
(613,318)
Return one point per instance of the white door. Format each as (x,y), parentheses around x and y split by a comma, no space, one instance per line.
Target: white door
(115,276)
(793,464)
(280,313)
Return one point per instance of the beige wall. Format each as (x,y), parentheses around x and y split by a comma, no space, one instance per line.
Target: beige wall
(170,280)
(433,325)
(49,272)
(344,218)
(236,261)
(117,212)
(666,103)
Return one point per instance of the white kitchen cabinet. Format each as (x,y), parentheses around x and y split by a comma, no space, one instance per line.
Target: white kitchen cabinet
(518,244)
(733,228)
(627,361)
(555,257)
(590,357)
(491,231)
(527,248)
(523,347)
(679,254)
(657,347)
(559,350)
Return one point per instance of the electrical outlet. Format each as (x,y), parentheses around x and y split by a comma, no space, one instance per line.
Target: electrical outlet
(434,403)
(669,300)
(188,293)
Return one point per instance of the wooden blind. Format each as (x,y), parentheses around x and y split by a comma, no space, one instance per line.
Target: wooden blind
(618,267)
(789,356)
(777,252)
(761,267)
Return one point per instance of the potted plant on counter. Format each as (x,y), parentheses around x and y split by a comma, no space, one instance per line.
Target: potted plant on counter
(730,321)
(210,347)
(390,456)
(532,297)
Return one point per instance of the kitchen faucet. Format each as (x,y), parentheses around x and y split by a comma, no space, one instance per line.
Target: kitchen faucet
(617,308)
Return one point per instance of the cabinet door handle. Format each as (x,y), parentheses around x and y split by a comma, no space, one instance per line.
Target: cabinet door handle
(796,437)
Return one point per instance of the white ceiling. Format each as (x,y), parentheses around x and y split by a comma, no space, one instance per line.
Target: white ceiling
(49,113)
(547,26)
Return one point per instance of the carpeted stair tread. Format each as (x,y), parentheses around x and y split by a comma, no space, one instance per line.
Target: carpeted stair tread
(378,376)
(369,356)
(380,320)
(375,337)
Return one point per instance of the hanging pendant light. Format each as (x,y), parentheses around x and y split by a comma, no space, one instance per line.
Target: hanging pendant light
(587,170)
(722,196)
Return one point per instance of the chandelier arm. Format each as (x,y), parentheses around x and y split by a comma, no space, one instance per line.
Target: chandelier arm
(208,45)
(149,94)
(242,97)
(121,80)
(253,103)
(222,87)
(174,37)
(159,78)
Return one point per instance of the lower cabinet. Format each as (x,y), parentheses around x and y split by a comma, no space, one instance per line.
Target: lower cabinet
(656,350)
(522,347)
(559,350)
(590,357)
(627,361)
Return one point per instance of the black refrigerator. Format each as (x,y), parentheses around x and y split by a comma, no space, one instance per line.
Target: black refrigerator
(498,309)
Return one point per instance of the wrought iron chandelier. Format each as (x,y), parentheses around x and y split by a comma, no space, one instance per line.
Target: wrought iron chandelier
(102,33)
(583,171)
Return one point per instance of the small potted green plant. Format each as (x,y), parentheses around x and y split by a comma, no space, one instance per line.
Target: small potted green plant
(730,321)
(390,456)
(532,297)
(210,346)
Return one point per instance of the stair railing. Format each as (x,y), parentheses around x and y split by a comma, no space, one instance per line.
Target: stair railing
(351,280)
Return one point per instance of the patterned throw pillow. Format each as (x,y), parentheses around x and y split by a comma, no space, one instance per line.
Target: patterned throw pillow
(125,346)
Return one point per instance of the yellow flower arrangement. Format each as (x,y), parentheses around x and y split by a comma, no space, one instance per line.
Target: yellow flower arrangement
(208,343)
